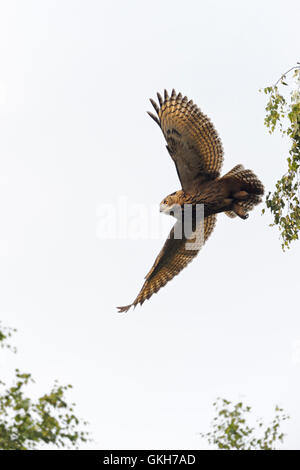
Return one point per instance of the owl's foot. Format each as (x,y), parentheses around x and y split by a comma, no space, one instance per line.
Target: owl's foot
(240,211)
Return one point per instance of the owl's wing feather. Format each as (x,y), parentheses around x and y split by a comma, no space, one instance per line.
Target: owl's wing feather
(177,252)
(192,140)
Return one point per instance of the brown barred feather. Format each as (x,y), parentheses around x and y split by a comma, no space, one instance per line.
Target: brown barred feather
(154,106)
(154,117)
(160,100)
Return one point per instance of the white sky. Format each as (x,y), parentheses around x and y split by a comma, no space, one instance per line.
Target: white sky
(74,134)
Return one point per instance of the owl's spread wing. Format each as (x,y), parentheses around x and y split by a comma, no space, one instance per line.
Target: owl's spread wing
(192,140)
(178,251)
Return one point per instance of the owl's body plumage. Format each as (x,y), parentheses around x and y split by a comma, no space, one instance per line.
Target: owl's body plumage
(197,152)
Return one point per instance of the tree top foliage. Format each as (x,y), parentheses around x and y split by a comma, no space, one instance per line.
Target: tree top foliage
(230,429)
(28,424)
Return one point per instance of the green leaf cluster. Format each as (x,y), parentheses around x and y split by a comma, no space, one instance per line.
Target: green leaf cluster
(5,334)
(28,424)
(230,430)
(283,112)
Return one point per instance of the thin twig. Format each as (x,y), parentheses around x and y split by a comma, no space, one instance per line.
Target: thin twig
(296,67)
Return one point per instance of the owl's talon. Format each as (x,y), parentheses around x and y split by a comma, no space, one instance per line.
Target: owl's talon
(244,217)
(240,211)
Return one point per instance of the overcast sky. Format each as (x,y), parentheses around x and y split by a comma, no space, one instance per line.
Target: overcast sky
(75,78)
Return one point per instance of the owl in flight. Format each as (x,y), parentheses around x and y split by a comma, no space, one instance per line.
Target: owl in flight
(197,152)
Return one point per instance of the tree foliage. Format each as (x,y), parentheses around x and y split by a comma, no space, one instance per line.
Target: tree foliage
(283,112)
(231,431)
(26,423)
(5,334)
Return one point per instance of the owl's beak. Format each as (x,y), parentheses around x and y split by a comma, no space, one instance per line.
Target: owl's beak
(164,208)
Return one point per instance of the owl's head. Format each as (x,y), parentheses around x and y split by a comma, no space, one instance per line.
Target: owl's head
(172,205)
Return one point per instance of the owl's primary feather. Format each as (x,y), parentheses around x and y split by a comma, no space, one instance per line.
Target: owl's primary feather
(197,152)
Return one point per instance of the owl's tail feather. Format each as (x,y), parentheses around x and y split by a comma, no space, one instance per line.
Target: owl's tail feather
(247,190)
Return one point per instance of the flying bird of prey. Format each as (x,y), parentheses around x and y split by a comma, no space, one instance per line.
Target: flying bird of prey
(197,152)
